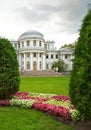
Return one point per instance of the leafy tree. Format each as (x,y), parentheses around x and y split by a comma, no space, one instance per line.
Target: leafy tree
(80,84)
(71,45)
(60,65)
(9,70)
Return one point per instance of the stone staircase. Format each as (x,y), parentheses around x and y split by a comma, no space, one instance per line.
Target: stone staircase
(39,73)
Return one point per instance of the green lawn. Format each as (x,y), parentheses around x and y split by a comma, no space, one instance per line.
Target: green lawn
(55,85)
(12,118)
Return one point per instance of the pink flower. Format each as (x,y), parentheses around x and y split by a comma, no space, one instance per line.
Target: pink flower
(5,102)
(61,97)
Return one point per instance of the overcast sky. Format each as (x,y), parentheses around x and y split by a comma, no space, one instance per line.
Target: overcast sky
(58,20)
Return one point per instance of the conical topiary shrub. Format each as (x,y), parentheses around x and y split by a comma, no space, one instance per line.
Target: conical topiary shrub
(9,70)
(80,84)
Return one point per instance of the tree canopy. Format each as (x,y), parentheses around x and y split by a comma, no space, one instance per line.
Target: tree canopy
(60,65)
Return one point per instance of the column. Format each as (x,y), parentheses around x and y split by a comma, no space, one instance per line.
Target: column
(38,62)
(24,61)
(19,60)
(31,61)
(17,45)
(43,61)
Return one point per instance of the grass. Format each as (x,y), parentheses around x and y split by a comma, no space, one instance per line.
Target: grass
(54,85)
(12,118)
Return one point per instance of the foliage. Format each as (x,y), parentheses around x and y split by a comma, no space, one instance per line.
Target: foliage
(9,72)
(60,65)
(80,84)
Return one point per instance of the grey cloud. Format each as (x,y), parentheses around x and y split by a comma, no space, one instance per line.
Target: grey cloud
(69,12)
(32,15)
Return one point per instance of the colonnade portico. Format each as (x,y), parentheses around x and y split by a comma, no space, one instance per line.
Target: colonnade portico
(31,61)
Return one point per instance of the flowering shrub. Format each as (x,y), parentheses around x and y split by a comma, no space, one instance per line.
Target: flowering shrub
(61,97)
(5,102)
(56,105)
(53,110)
(41,95)
(26,95)
(22,103)
(22,95)
(59,103)
(75,115)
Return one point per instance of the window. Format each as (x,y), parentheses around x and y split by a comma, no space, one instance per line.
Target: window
(28,65)
(18,45)
(45,46)
(46,56)
(66,56)
(22,65)
(34,54)
(66,66)
(39,43)
(40,65)
(15,46)
(47,66)
(51,56)
(40,55)
(28,43)
(56,56)
(28,54)
(22,44)
(34,42)
(22,55)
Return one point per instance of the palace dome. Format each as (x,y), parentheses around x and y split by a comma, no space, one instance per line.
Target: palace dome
(30,34)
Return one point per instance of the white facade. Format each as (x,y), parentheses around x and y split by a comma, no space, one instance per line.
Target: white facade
(34,53)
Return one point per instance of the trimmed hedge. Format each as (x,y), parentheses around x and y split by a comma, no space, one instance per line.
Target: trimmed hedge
(9,70)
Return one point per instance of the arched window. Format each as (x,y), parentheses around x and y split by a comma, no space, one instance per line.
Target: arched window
(18,45)
(47,66)
(28,42)
(34,65)
(40,65)
(39,43)
(28,65)
(28,54)
(22,65)
(34,42)
(22,55)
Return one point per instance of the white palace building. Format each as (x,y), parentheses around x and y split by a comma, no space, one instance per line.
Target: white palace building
(36,54)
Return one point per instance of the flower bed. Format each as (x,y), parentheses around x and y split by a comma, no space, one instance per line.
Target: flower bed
(57,105)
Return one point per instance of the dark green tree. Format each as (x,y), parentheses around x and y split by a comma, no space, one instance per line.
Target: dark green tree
(9,70)
(80,84)
(60,65)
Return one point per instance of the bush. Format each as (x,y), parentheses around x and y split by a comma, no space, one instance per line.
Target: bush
(9,70)
(80,84)
(60,65)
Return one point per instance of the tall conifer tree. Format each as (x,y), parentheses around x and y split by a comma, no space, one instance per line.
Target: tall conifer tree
(80,84)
